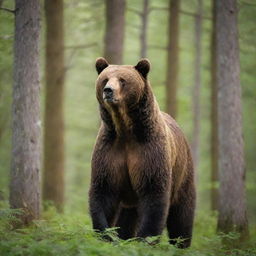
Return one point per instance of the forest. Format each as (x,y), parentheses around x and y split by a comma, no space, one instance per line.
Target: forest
(202,56)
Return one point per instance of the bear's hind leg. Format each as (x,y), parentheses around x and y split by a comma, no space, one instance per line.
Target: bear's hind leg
(180,219)
(127,221)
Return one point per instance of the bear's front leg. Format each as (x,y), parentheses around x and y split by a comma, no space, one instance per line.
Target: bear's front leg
(153,211)
(103,207)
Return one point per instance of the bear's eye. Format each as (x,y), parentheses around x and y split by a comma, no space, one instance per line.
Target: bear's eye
(122,82)
(104,82)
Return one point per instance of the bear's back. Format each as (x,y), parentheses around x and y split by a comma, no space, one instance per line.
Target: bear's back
(183,166)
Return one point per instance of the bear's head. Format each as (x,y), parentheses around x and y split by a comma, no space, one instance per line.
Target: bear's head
(120,85)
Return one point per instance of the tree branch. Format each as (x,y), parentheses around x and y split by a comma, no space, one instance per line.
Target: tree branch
(135,11)
(247,3)
(73,51)
(188,13)
(155,8)
(6,37)
(7,10)
(81,46)
(194,15)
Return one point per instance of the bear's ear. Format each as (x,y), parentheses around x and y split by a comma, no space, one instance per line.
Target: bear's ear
(143,67)
(101,64)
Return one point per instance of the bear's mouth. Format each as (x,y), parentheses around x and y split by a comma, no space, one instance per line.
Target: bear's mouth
(109,98)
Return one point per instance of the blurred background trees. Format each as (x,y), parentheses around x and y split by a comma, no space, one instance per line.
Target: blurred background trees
(172,65)
(54,148)
(26,124)
(196,89)
(144,27)
(232,203)
(183,40)
(114,32)
(213,114)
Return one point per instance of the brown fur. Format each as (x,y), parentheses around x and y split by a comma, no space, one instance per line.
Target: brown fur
(141,160)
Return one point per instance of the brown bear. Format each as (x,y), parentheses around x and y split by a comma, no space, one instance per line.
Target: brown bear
(142,172)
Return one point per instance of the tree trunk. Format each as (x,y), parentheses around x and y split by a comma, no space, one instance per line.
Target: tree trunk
(173,58)
(144,27)
(114,34)
(232,205)
(197,86)
(25,159)
(53,179)
(214,119)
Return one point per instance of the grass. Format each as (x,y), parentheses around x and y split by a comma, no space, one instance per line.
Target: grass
(71,234)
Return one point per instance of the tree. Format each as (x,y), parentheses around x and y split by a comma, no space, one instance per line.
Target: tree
(172,58)
(232,205)
(144,26)
(197,84)
(114,33)
(25,159)
(214,119)
(53,179)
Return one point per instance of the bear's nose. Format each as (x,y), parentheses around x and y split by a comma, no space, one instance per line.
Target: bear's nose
(108,91)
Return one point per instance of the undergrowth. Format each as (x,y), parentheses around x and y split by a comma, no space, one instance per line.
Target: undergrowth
(71,234)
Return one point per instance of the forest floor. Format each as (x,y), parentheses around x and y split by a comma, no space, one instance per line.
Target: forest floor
(71,234)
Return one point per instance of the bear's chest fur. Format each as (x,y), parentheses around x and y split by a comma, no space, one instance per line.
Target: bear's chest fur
(131,166)
(126,161)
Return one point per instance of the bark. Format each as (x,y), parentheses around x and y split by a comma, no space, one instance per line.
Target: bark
(232,205)
(197,86)
(25,159)
(144,28)
(172,58)
(214,119)
(53,179)
(114,34)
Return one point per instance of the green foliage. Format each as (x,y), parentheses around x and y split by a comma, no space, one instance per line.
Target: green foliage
(8,217)
(71,234)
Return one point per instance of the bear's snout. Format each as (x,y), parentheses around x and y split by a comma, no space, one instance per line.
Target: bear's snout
(108,92)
